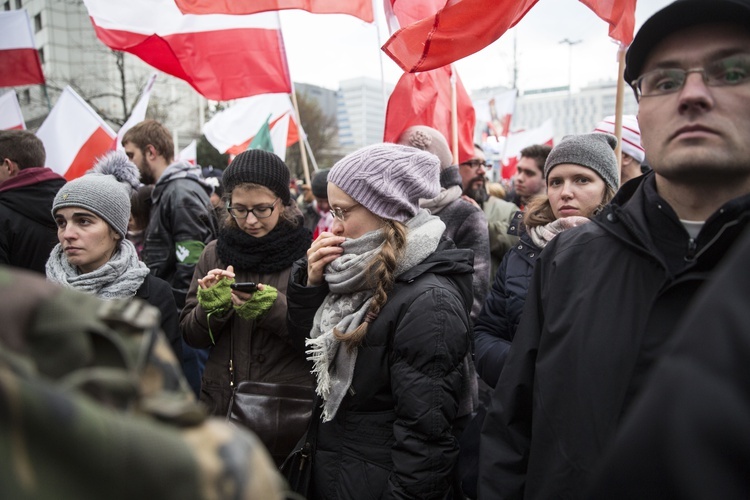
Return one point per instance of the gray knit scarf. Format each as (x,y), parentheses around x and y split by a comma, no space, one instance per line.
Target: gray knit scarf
(347,303)
(541,235)
(445,198)
(120,277)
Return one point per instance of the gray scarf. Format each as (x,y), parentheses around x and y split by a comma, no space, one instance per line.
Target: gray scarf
(349,299)
(120,277)
(541,235)
(445,198)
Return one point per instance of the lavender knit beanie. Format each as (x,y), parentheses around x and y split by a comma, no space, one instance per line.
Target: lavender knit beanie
(388,179)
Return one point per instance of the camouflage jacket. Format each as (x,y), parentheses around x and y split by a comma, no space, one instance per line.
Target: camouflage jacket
(93,405)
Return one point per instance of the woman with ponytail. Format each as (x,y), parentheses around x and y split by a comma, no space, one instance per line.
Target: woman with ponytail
(382,302)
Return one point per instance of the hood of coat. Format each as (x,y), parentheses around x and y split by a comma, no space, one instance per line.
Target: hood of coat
(179,170)
(34,200)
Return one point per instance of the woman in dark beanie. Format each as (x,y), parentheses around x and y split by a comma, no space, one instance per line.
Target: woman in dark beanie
(383,301)
(582,176)
(94,254)
(261,237)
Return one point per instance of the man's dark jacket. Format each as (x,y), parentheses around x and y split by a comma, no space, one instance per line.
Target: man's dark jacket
(603,300)
(27,229)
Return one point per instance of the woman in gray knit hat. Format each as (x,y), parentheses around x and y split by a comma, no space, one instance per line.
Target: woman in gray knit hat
(582,176)
(93,254)
(382,302)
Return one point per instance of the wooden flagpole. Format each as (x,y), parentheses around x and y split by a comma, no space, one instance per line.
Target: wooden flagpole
(618,107)
(305,168)
(454,116)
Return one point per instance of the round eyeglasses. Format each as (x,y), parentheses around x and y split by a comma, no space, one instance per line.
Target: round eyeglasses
(260,212)
(340,213)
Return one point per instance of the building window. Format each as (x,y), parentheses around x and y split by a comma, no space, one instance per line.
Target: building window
(41,54)
(38,23)
(19,4)
(6,5)
(26,96)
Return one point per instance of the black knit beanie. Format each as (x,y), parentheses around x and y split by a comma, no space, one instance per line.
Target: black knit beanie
(320,184)
(259,167)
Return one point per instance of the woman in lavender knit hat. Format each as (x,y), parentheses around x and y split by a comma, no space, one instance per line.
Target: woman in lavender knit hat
(382,302)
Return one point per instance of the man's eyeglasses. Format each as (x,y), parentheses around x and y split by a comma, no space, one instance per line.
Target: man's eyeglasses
(261,212)
(340,213)
(729,71)
(475,164)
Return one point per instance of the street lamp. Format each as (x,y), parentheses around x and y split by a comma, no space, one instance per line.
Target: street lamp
(568,104)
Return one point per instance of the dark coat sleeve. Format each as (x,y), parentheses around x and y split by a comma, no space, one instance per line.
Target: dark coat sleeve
(302,304)
(687,436)
(506,433)
(429,346)
(160,295)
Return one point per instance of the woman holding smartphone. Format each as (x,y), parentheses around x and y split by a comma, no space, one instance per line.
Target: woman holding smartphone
(246,330)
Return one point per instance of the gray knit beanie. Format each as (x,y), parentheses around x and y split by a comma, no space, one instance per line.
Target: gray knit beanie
(595,151)
(104,190)
(259,167)
(320,184)
(388,179)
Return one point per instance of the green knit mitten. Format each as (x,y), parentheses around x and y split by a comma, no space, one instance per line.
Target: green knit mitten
(261,301)
(217,298)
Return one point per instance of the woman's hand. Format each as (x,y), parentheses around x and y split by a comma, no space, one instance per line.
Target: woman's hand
(239,298)
(325,249)
(214,275)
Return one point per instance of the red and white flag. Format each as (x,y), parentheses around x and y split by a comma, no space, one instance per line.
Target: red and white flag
(223,57)
(10,112)
(516,141)
(72,150)
(18,55)
(139,111)
(357,8)
(190,153)
(425,99)
(495,114)
(233,129)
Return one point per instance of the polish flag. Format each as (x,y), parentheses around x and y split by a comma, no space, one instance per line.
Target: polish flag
(139,112)
(357,8)
(72,150)
(190,153)
(516,141)
(425,99)
(18,55)
(10,112)
(223,57)
(233,129)
(495,114)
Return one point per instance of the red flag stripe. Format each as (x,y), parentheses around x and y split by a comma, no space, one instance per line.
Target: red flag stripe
(358,8)
(22,67)
(96,146)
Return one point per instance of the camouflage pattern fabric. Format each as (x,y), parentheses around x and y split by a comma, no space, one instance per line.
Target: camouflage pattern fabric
(93,405)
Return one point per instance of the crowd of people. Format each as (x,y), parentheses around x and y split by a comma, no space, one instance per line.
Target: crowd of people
(579,334)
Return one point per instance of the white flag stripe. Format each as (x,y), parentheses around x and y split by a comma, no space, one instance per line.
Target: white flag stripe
(10,112)
(15,28)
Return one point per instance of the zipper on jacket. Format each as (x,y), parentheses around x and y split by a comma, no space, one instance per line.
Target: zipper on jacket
(691,249)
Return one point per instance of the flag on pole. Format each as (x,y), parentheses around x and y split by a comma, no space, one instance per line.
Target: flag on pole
(516,141)
(262,139)
(139,111)
(71,151)
(425,99)
(283,134)
(232,130)
(494,115)
(620,14)
(357,8)
(18,55)
(10,112)
(190,153)
(223,57)
(401,13)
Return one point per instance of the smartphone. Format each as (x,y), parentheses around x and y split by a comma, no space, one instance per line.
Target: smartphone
(248,287)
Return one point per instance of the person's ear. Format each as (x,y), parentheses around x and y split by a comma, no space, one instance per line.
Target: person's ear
(11,166)
(151,153)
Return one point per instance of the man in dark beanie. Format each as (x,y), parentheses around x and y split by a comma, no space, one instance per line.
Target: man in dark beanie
(606,297)
(317,214)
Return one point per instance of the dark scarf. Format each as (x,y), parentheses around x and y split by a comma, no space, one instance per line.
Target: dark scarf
(269,254)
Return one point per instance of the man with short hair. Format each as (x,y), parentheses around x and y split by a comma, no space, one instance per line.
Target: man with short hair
(181,221)
(28,232)
(606,296)
(499,213)
(529,179)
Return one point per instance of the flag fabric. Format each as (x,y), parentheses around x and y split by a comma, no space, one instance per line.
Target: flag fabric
(283,134)
(495,114)
(71,151)
(262,139)
(357,8)
(620,14)
(516,141)
(190,153)
(139,111)
(223,57)
(401,13)
(459,29)
(231,130)
(425,99)
(18,54)
(10,112)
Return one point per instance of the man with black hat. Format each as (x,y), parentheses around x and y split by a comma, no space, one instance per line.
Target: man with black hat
(317,213)
(605,297)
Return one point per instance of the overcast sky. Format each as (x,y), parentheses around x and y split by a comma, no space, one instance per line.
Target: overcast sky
(325,49)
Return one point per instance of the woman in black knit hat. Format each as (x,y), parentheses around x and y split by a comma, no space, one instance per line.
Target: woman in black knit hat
(261,237)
